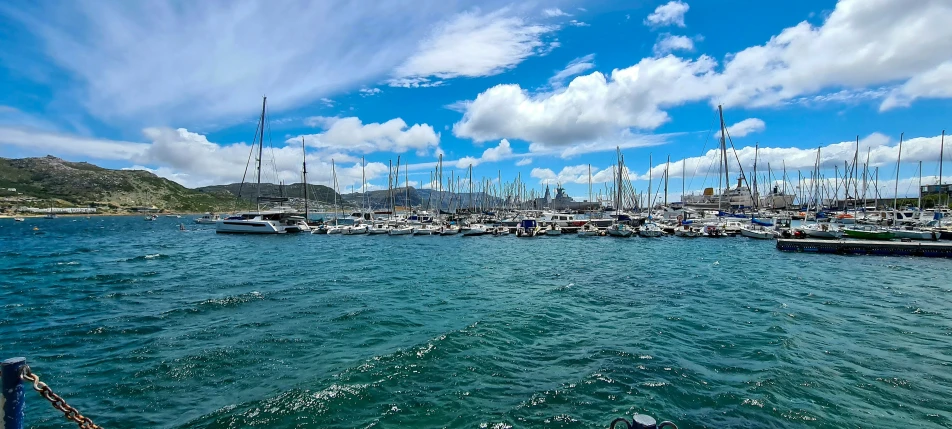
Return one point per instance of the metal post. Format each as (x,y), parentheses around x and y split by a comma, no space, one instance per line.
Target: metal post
(11,403)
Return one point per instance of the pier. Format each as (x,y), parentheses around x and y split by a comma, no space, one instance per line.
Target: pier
(870,247)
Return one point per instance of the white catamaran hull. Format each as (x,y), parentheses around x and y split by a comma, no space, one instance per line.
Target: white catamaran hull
(250,227)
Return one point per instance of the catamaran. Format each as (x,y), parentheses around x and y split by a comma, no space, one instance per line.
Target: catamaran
(262,221)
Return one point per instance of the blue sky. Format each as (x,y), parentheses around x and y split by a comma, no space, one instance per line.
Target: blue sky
(540,90)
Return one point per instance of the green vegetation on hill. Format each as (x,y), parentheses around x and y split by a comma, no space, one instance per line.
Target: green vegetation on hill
(82,184)
(318,193)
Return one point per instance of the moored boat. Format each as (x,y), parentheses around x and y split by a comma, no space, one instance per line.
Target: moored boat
(18,219)
(620,230)
(758,232)
(650,230)
(553,230)
(687,231)
(588,230)
(263,222)
(401,230)
(868,232)
(208,219)
(527,228)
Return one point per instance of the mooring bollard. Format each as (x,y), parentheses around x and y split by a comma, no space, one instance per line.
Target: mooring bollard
(11,403)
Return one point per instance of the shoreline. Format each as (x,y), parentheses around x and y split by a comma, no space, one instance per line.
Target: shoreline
(59,215)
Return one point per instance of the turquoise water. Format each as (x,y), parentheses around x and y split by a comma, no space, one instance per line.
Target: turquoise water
(140,325)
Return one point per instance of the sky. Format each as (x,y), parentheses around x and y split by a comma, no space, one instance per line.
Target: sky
(538,91)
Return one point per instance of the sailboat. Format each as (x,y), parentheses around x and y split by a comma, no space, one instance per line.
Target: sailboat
(50,215)
(588,230)
(262,221)
(650,230)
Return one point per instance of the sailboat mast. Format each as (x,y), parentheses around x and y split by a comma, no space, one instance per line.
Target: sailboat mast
(304,152)
(650,191)
(406,179)
(919,204)
(667,166)
(683,175)
(898,163)
(334,174)
(727,182)
(941,161)
(754,194)
(363,181)
(264,103)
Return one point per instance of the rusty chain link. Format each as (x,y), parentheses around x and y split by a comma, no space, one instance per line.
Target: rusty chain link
(57,402)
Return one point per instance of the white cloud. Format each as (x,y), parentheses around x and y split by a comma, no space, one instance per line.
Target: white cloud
(351,135)
(670,13)
(669,43)
(524,162)
(554,12)
(592,107)
(936,83)
(574,67)
(196,62)
(576,23)
(577,174)
(367,92)
(745,127)
(472,45)
(493,154)
(327,102)
(862,49)
(65,145)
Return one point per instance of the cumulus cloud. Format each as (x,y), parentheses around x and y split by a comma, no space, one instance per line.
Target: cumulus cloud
(471,45)
(190,159)
(367,92)
(523,162)
(745,127)
(669,43)
(352,135)
(861,47)
(592,107)
(670,13)
(493,154)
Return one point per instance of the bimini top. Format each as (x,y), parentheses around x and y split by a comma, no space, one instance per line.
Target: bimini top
(528,223)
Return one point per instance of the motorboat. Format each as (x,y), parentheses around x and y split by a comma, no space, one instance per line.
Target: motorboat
(401,230)
(449,230)
(588,230)
(687,231)
(18,219)
(500,230)
(262,222)
(713,231)
(824,231)
(527,228)
(151,217)
(475,230)
(208,219)
(650,229)
(553,230)
(620,230)
(356,229)
(759,232)
(335,229)
(378,229)
(426,230)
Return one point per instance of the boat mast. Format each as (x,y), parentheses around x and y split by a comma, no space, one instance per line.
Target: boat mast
(683,173)
(334,175)
(754,194)
(727,182)
(898,161)
(650,192)
(919,204)
(264,103)
(941,159)
(406,196)
(363,182)
(306,211)
(667,166)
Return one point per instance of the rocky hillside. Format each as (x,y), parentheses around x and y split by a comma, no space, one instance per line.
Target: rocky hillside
(418,198)
(82,184)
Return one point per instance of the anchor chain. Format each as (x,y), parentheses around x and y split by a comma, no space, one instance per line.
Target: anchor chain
(69,412)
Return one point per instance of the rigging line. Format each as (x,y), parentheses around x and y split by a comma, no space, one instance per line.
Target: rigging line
(274,164)
(740,166)
(245,174)
(710,131)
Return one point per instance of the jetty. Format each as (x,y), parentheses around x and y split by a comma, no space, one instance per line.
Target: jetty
(867,247)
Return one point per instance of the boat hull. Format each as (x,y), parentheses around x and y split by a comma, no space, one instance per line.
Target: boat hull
(401,231)
(759,235)
(249,227)
(869,235)
(915,235)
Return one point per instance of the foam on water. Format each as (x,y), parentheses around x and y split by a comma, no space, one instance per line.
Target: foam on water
(140,325)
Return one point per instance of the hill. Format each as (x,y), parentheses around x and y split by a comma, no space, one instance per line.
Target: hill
(37,181)
(317,193)
(419,198)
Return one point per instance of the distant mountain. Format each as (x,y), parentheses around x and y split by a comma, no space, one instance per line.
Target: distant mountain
(33,182)
(318,193)
(420,198)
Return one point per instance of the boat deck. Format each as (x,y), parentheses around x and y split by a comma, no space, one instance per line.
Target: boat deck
(867,247)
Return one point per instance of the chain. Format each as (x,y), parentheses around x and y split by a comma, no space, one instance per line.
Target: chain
(57,402)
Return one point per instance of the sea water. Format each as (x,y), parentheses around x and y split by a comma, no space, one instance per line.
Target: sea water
(138,324)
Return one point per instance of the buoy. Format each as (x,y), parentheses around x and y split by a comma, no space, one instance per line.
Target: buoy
(36,228)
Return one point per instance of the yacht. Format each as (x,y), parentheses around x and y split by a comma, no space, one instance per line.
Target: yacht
(262,222)
(588,230)
(208,219)
(475,229)
(553,229)
(401,230)
(620,230)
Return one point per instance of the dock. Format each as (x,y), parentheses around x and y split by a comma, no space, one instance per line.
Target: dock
(867,247)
